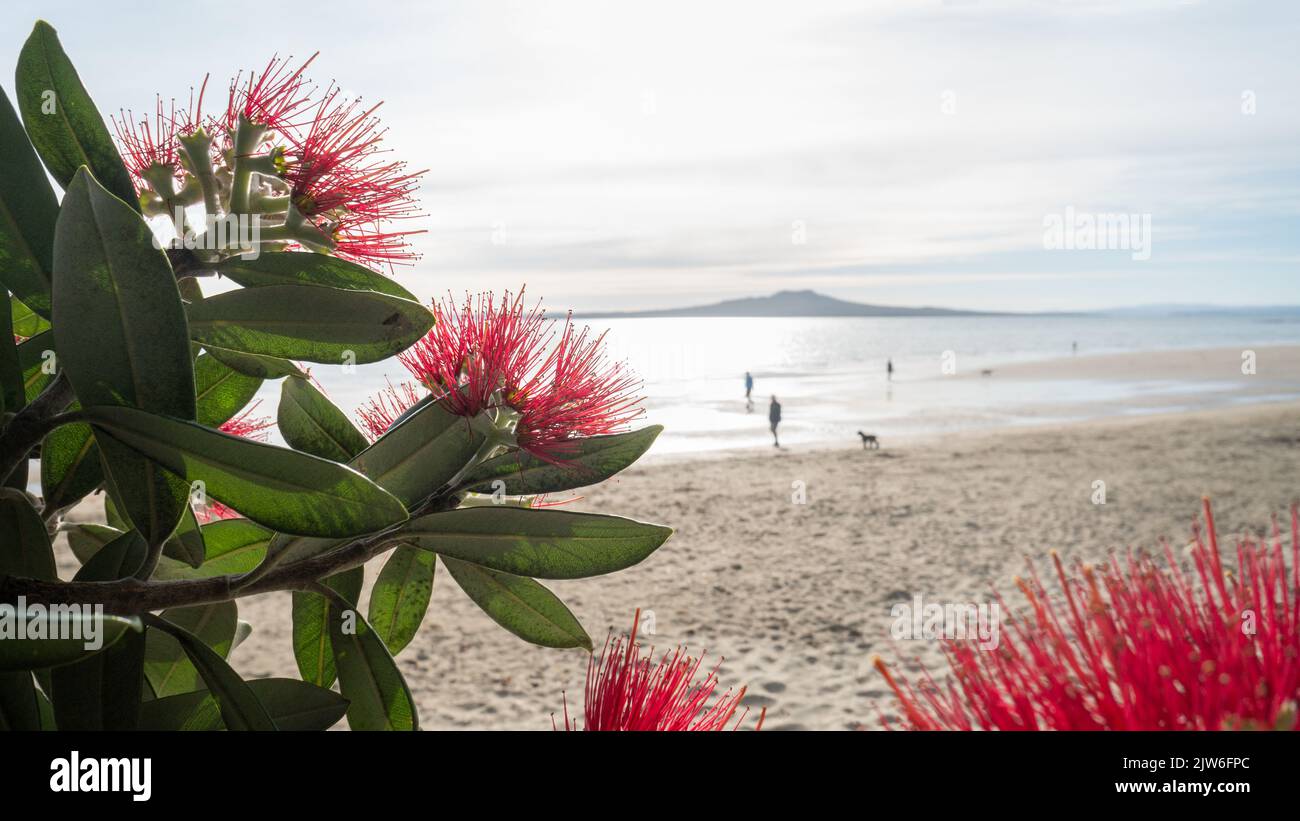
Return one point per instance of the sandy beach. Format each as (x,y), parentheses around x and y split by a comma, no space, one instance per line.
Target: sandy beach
(796,595)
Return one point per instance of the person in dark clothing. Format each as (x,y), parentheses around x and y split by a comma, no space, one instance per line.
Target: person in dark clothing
(889,370)
(749,387)
(774,416)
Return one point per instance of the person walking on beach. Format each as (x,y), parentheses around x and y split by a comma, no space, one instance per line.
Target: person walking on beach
(889,370)
(774,416)
(749,387)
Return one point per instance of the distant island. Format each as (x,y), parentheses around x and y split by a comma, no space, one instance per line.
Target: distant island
(786,303)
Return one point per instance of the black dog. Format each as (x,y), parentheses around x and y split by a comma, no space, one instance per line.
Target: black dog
(869,440)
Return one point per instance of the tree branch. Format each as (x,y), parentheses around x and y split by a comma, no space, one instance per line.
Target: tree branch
(129,597)
(28,427)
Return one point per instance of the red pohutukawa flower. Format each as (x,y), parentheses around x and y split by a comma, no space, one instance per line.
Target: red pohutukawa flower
(387,406)
(627,692)
(275,98)
(485,355)
(147,147)
(340,179)
(1134,645)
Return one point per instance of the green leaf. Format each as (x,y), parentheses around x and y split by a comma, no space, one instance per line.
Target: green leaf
(311,615)
(35,356)
(26,322)
(234,546)
(118,559)
(62,121)
(19,706)
(520,605)
(33,654)
(297,268)
(103,691)
(280,488)
(119,328)
(293,705)
(311,423)
(12,395)
(186,544)
(400,596)
(240,708)
(542,544)
(416,458)
(421,455)
(258,367)
(368,676)
(87,539)
(310,322)
(70,466)
(166,665)
(27,213)
(593,460)
(24,543)
(220,391)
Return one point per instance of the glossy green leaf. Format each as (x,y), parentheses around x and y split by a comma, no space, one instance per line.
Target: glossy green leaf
(310,322)
(220,391)
(27,213)
(186,544)
(542,544)
(87,539)
(61,119)
(293,705)
(593,460)
(368,677)
(103,691)
(24,543)
(12,395)
(120,332)
(400,596)
(240,707)
(38,653)
(417,457)
(311,615)
(283,489)
(520,605)
(313,424)
(258,367)
(297,268)
(36,358)
(70,466)
(19,706)
(166,665)
(26,322)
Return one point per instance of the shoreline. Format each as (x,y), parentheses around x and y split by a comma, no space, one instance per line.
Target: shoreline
(1277,381)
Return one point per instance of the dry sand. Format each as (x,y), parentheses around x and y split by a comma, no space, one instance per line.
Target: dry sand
(798,596)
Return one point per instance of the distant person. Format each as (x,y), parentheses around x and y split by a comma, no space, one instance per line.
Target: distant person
(889,370)
(749,387)
(1075,348)
(774,416)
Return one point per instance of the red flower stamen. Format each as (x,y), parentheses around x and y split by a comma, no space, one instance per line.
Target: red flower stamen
(627,692)
(486,354)
(274,99)
(1133,645)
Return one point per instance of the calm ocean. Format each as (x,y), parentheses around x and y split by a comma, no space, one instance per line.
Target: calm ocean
(829,374)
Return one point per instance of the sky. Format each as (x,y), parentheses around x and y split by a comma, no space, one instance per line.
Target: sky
(648,155)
